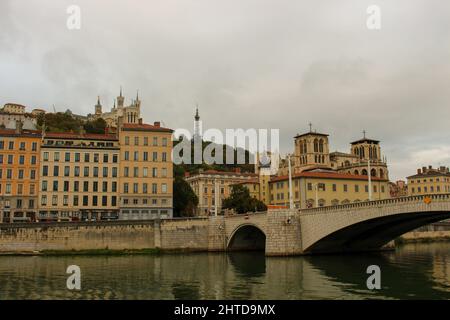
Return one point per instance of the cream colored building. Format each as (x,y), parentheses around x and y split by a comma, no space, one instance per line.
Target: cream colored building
(129,113)
(429,181)
(13,108)
(212,187)
(146,171)
(325,188)
(79,176)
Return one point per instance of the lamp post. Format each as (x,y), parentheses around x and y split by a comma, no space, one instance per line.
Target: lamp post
(370,180)
(291,199)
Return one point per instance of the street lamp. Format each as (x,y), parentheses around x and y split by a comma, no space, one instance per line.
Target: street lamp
(316,186)
(370,180)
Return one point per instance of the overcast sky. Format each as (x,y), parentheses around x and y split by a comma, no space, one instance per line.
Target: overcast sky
(248,64)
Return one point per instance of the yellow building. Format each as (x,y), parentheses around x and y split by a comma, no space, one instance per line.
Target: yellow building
(325,188)
(429,181)
(146,171)
(19,174)
(212,187)
(79,176)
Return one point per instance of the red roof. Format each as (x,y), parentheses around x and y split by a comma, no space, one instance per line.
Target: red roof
(25,132)
(87,136)
(145,127)
(326,175)
(252,181)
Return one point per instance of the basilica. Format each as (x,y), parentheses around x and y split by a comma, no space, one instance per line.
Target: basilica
(129,113)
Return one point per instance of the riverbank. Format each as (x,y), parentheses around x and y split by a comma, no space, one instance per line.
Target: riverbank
(424,237)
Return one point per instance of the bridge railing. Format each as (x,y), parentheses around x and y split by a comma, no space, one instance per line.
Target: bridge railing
(377,203)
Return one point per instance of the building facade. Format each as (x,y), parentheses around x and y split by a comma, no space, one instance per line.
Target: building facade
(79,176)
(19,174)
(429,180)
(146,171)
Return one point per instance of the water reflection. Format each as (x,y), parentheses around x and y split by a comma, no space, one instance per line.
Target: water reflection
(412,272)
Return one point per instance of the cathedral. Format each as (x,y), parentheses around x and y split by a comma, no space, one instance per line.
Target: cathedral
(130,113)
(312,153)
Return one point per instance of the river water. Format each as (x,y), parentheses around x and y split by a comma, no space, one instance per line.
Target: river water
(413,271)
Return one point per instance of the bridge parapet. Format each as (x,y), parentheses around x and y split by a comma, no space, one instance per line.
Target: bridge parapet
(378,203)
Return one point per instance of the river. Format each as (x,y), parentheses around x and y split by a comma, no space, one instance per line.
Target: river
(412,271)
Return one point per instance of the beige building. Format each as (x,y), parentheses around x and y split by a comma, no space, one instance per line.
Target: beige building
(212,187)
(13,108)
(129,113)
(429,181)
(325,188)
(146,171)
(79,176)
(19,174)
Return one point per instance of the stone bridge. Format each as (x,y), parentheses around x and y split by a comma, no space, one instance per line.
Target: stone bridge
(362,226)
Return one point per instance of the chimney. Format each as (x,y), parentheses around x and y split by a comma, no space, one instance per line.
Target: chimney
(430,167)
(140,120)
(157,124)
(19,127)
(424,169)
(419,171)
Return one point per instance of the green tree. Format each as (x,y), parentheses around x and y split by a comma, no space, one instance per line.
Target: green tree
(96,126)
(241,201)
(185,201)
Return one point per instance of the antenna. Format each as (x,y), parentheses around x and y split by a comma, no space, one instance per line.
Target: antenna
(54,109)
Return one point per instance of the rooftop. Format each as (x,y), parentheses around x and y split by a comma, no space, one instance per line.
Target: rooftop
(145,127)
(325,175)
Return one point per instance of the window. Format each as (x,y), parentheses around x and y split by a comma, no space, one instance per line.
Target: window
(66,171)
(114,186)
(75,200)
(44,185)
(125,187)
(334,187)
(94,201)
(164,142)
(164,188)
(67,157)
(154,188)
(356,188)
(66,186)
(136,172)
(55,185)
(136,156)
(21,174)
(145,172)
(2,144)
(136,141)
(8,188)
(127,141)
(95,173)
(32,174)
(56,156)
(115,158)
(113,201)
(56,171)
(144,188)
(65,200)
(135,188)
(44,200)
(33,159)
(1,158)
(95,186)
(145,156)
(76,186)
(105,172)
(345,188)
(127,155)
(85,201)
(54,200)
(21,159)
(164,172)
(105,158)
(104,201)
(366,188)
(33,146)
(114,172)
(154,172)
(77,172)
(22,146)
(10,159)
(86,157)
(126,172)
(105,186)
(86,171)
(11,145)
(77,157)
(164,156)
(374,188)
(155,141)
(20,188)
(96,157)
(86,186)
(145,141)
(155,156)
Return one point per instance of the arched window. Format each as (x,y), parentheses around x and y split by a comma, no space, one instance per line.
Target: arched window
(373,173)
(305,146)
(320,145)
(364,172)
(335,202)
(323,159)
(374,153)
(316,145)
(381,173)
(346,201)
(361,152)
(347,163)
(321,203)
(356,172)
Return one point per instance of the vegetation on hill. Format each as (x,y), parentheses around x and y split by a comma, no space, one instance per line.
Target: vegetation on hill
(66,122)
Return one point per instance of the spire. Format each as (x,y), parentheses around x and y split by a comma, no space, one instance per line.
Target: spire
(364,133)
(114,103)
(120,91)
(197,117)
(310,127)
(98,100)
(137,95)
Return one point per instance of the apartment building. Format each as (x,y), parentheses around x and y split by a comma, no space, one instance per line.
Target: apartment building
(79,177)
(429,180)
(146,171)
(19,174)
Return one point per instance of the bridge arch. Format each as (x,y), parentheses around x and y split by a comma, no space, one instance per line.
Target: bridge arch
(247,237)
